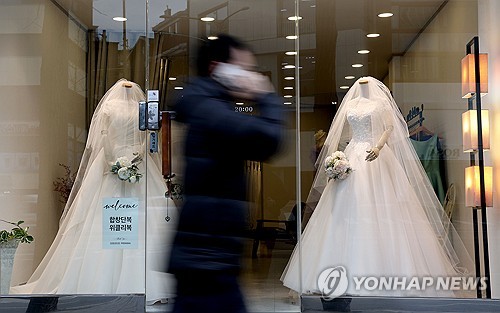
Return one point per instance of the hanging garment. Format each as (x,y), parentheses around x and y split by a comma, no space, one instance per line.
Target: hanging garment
(430,154)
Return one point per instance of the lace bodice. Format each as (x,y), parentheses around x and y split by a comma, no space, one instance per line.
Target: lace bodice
(360,118)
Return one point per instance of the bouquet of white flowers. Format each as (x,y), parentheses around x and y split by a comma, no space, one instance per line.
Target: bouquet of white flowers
(127,170)
(337,166)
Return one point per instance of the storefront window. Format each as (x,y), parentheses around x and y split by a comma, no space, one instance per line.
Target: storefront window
(378,81)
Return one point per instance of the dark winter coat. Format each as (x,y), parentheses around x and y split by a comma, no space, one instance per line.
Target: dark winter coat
(218,141)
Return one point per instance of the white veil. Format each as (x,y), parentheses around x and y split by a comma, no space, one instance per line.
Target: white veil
(125,93)
(399,142)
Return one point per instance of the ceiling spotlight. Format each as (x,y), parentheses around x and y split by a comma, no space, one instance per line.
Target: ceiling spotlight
(373,35)
(287,103)
(349,77)
(119,18)
(288,88)
(289,66)
(292,37)
(172,78)
(364,51)
(294,18)
(178,88)
(357,65)
(291,53)
(344,87)
(239,103)
(207,19)
(212,37)
(385,14)
(288,96)
(289,78)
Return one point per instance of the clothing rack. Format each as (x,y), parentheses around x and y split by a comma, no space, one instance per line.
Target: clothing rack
(415,119)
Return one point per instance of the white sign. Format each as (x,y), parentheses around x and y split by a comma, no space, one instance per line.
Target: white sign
(120,223)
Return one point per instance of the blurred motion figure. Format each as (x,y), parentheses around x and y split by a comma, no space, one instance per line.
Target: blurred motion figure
(208,245)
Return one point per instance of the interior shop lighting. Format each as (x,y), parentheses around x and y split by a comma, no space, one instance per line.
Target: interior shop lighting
(385,14)
(470,130)
(472,186)
(469,75)
(207,19)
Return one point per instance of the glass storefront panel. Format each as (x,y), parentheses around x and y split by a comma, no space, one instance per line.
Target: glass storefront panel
(66,111)
(100,50)
(43,117)
(177,31)
(415,52)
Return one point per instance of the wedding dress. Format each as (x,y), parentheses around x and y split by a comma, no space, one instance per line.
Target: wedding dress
(383,220)
(76,262)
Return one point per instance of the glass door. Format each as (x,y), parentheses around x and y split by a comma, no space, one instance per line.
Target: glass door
(176,31)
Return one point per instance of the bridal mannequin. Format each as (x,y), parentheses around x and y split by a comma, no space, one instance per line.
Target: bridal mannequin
(384,219)
(77,261)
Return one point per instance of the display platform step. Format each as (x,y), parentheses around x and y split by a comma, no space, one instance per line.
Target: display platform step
(313,304)
(72,303)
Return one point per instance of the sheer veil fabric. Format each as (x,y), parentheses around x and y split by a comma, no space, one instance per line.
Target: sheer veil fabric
(117,98)
(386,208)
(76,262)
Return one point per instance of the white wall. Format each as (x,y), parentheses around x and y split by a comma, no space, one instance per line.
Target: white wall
(429,74)
(42,118)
